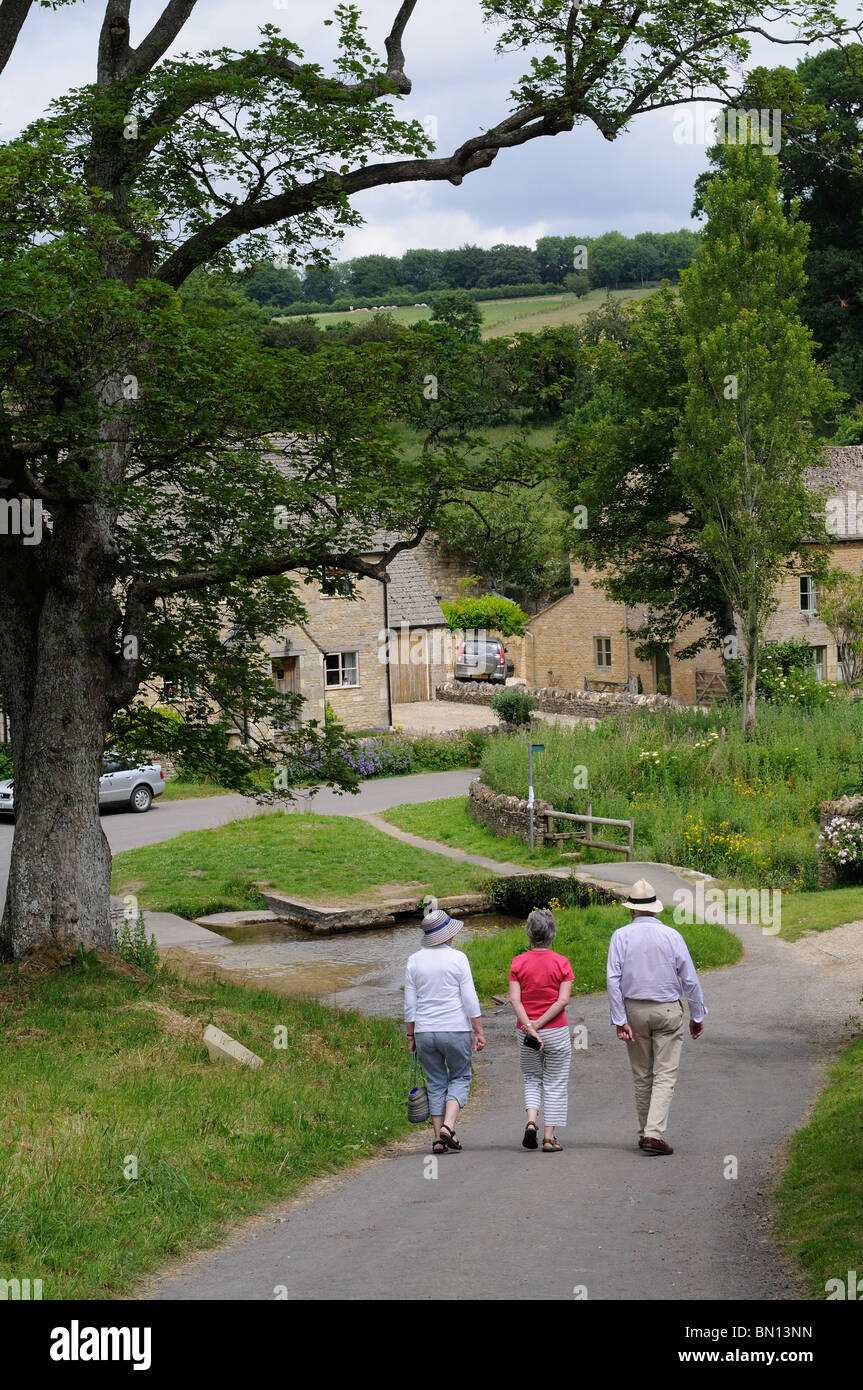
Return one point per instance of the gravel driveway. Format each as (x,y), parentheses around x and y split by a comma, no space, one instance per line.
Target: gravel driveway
(441,716)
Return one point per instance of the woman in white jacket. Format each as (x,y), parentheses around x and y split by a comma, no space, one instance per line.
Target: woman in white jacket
(443,1022)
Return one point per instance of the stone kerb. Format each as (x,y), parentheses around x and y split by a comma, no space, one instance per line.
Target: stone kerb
(852,808)
(506,815)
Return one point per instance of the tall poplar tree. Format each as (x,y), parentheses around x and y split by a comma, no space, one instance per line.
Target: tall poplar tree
(746,439)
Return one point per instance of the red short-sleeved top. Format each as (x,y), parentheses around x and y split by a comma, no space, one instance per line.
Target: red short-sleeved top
(541,974)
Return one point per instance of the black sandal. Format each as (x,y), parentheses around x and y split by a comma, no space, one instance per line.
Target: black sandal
(451,1142)
(530,1140)
(438,1147)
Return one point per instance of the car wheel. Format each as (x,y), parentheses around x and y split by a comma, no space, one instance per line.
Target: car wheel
(141,798)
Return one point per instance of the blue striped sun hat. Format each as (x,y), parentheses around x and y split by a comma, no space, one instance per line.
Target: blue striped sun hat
(438,926)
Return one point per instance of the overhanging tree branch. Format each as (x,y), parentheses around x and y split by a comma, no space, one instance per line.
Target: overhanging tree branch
(169,24)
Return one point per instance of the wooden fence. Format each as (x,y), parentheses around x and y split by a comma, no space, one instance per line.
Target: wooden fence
(583,837)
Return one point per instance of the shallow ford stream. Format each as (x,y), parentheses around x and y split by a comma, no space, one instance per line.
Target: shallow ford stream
(361,970)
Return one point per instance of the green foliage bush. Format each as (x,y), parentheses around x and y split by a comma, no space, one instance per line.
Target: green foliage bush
(786,676)
(491,613)
(440,752)
(518,896)
(513,706)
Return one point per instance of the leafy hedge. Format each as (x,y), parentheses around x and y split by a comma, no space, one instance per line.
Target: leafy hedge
(491,613)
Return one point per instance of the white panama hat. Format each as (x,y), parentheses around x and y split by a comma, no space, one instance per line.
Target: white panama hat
(643,898)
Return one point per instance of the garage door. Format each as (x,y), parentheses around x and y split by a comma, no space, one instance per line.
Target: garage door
(409,672)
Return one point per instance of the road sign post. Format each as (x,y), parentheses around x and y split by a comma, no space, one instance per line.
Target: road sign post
(531,749)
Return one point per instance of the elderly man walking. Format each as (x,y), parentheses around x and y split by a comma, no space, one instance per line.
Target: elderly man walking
(649,966)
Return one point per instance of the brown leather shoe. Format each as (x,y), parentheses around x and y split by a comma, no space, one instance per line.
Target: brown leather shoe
(652,1147)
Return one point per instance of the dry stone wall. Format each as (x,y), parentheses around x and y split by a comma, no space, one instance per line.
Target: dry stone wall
(506,815)
(584,704)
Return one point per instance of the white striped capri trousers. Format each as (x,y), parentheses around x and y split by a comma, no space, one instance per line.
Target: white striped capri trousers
(546,1074)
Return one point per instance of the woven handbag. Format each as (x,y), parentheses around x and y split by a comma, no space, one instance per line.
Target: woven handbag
(418,1096)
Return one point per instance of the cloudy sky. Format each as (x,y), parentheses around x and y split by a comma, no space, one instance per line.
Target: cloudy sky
(576,183)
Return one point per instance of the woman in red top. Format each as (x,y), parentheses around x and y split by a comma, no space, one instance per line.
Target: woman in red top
(540,983)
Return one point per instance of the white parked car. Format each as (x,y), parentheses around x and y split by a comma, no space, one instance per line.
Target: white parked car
(122,783)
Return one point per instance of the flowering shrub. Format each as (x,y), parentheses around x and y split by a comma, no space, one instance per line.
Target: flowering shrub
(389,755)
(786,676)
(841,844)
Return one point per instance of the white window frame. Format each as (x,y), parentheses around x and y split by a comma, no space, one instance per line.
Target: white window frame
(602,647)
(344,668)
(807,590)
(819,667)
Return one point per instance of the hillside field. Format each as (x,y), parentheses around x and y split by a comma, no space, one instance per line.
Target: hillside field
(506,316)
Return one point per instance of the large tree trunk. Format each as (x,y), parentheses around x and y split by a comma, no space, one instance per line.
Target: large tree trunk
(55,667)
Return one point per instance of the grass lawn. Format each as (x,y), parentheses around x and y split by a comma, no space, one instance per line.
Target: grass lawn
(448,822)
(819,1196)
(181,791)
(331,859)
(583,935)
(100,1064)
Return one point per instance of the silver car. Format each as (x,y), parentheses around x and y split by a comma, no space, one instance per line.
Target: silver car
(122,783)
(482,659)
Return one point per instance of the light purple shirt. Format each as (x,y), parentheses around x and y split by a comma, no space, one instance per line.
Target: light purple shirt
(648,960)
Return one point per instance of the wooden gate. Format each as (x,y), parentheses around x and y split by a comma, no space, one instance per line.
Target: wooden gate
(409,668)
(710,685)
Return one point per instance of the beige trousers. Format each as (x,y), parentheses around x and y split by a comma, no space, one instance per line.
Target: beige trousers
(654,1056)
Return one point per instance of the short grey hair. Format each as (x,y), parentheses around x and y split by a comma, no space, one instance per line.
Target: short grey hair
(541,927)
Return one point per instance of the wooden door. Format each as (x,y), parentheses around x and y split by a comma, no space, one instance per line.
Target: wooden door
(409,671)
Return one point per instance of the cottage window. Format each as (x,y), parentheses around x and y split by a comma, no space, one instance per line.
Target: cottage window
(602,651)
(341,668)
(337,584)
(808,594)
(819,662)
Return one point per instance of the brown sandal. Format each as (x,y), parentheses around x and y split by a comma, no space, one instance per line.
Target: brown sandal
(551,1146)
(448,1138)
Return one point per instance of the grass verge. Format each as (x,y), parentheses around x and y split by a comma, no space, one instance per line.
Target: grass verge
(819,911)
(100,1065)
(182,791)
(583,935)
(819,1195)
(329,859)
(449,823)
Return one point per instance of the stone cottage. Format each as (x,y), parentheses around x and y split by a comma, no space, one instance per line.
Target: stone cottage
(583,639)
(364,645)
